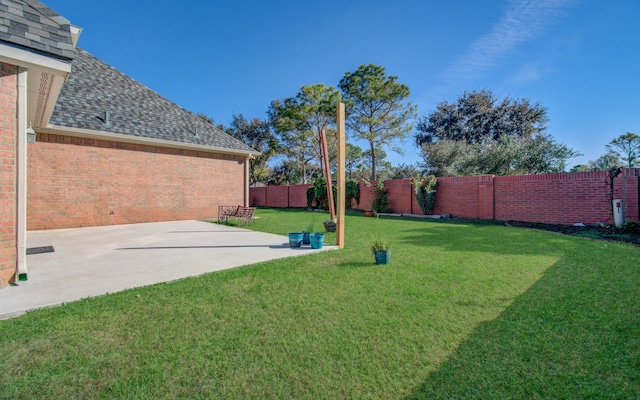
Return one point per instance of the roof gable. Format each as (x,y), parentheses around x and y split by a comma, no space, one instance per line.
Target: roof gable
(31,25)
(99,98)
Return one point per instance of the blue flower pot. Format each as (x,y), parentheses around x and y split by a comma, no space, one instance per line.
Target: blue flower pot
(382,256)
(295,239)
(305,237)
(317,240)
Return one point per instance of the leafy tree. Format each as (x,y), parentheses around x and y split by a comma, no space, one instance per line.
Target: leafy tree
(403,170)
(300,120)
(205,117)
(354,159)
(478,116)
(481,135)
(604,162)
(448,158)
(627,148)
(580,168)
(317,111)
(257,134)
(509,156)
(377,108)
(287,172)
(295,141)
(542,154)
(209,119)
(378,159)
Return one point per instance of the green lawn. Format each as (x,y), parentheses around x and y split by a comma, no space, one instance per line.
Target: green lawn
(464,310)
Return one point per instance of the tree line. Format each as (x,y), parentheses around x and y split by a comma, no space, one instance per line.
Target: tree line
(476,134)
(621,152)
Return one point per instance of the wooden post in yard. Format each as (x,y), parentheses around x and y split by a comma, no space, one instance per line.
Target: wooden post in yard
(341,175)
(327,169)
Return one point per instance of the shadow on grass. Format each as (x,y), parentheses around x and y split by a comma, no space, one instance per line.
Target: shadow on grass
(359,264)
(574,334)
(487,238)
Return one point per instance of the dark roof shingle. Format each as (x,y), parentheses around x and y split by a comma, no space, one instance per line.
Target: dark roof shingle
(94,88)
(32,25)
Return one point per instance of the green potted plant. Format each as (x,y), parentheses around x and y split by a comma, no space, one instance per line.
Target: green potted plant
(381,251)
(311,227)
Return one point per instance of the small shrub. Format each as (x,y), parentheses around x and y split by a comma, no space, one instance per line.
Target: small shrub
(352,191)
(311,197)
(425,188)
(630,227)
(607,229)
(380,202)
(317,194)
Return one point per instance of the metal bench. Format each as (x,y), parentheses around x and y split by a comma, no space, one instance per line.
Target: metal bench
(240,213)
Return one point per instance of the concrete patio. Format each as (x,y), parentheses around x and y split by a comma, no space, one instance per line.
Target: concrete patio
(93,261)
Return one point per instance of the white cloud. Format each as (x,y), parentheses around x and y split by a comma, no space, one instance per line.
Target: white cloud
(522,21)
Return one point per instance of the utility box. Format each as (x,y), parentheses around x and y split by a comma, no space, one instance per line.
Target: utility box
(618,212)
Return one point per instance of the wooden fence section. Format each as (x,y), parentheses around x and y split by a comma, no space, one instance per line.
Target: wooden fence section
(560,198)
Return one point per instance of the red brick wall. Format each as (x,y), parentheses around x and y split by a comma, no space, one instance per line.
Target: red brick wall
(366,195)
(278,196)
(8,102)
(258,196)
(400,195)
(465,196)
(562,198)
(294,196)
(75,182)
(298,195)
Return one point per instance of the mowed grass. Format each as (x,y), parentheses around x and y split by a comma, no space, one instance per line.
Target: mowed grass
(464,310)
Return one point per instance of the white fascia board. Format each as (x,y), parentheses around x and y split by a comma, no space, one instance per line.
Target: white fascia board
(117,137)
(27,59)
(75,34)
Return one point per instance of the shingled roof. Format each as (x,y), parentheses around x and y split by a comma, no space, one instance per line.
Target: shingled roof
(30,25)
(95,89)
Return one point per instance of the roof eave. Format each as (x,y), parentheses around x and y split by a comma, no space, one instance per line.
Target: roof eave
(117,137)
(31,60)
(46,76)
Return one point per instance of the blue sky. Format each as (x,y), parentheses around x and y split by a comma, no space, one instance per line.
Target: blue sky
(579,58)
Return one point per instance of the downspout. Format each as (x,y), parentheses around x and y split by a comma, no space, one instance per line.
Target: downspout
(21,195)
(246,180)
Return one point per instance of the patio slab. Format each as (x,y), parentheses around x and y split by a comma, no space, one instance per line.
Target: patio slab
(93,261)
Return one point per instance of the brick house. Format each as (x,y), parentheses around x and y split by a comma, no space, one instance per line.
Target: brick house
(107,149)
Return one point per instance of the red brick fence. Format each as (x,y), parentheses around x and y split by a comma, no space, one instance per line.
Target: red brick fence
(561,198)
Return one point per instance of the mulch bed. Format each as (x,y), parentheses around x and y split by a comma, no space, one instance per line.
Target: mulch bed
(606,232)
